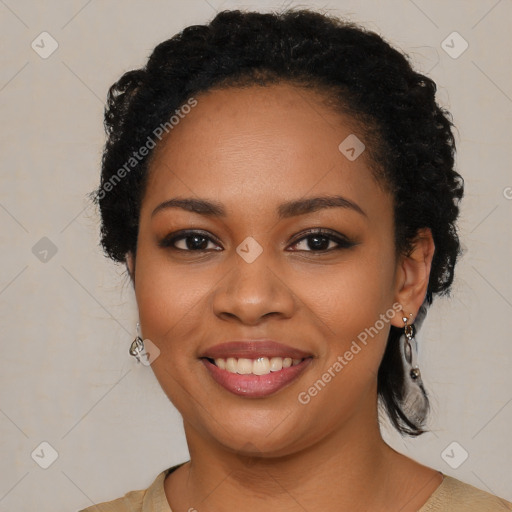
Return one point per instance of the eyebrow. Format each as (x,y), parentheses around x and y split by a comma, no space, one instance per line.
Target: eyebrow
(285,210)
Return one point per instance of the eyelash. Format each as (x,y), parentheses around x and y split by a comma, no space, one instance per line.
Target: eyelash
(343,242)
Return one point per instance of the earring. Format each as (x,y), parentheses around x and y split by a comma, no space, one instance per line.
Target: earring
(415,397)
(137,346)
(409,332)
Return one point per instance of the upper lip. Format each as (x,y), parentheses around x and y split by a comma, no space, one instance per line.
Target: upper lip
(253,348)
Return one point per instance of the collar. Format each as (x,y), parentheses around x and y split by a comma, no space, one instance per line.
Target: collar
(154,498)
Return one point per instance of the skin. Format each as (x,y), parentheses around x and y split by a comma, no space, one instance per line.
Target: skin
(251,150)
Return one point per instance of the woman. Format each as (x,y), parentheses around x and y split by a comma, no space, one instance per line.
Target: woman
(282,190)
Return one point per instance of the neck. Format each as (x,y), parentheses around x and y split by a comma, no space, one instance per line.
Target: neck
(335,473)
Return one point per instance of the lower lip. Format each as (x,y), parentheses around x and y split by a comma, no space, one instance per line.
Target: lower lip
(255,386)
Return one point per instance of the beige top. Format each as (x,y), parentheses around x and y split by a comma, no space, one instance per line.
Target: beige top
(451,496)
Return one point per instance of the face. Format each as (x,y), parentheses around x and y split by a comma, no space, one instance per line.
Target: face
(255,276)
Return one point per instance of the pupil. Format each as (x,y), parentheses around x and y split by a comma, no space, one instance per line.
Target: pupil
(319,242)
(195,244)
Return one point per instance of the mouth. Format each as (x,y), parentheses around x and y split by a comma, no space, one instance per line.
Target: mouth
(255,369)
(258,366)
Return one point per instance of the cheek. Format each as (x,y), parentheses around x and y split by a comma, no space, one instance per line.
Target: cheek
(355,302)
(169,302)
(350,297)
(163,295)
(358,321)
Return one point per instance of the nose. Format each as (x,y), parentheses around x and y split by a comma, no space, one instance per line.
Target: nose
(253,291)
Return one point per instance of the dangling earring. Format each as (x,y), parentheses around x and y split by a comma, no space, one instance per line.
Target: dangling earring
(409,332)
(137,346)
(415,397)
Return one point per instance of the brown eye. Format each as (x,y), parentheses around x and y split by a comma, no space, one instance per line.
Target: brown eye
(322,241)
(193,241)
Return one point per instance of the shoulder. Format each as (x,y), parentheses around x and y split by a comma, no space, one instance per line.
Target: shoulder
(456,496)
(130,502)
(152,498)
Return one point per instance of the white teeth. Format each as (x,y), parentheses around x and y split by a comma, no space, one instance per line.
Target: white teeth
(259,366)
(244,366)
(276,364)
(231,364)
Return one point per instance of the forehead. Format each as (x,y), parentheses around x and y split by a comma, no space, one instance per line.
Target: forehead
(261,143)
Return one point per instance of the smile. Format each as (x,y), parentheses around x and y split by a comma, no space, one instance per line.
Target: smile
(258,366)
(254,378)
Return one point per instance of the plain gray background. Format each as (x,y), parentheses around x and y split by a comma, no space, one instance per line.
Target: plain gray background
(68,314)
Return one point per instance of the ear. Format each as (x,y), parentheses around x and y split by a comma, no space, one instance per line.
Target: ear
(130,265)
(412,276)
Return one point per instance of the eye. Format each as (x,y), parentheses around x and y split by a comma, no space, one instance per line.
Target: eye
(321,240)
(192,241)
(315,240)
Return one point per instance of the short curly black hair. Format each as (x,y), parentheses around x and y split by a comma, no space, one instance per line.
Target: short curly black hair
(409,136)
